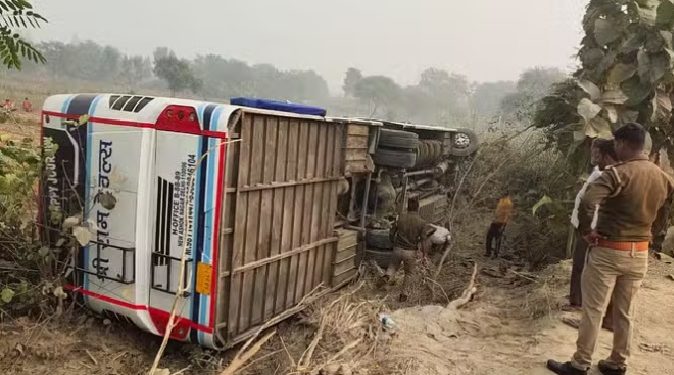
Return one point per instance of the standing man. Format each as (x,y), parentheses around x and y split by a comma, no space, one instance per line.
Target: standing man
(602,154)
(26,105)
(8,104)
(409,233)
(504,210)
(631,196)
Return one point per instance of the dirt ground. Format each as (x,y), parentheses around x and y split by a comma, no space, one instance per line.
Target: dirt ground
(497,334)
(511,327)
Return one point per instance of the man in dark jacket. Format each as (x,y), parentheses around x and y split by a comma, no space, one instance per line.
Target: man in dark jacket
(631,196)
(409,233)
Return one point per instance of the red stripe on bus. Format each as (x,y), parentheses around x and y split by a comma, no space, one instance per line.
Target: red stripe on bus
(127,305)
(135,124)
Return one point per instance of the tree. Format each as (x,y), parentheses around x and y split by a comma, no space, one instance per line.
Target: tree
(532,86)
(352,77)
(447,96)
(15,15)
(134,69)
(487,96)
(379,91)
(537,81)
(176,72)
(626,75)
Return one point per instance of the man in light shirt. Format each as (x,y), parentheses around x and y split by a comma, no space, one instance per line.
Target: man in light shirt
(633,196)
(602,155)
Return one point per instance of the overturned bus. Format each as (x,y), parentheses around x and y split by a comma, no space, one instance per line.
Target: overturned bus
(265,203)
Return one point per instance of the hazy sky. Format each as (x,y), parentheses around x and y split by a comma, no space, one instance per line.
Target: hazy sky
(483,39)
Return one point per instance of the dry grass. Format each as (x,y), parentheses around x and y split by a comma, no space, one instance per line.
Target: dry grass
(339,334)
(544,296)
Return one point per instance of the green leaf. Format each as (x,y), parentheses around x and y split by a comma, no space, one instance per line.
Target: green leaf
(644,64)
(636,91)
(655,42)
(616,97)
(611,113)
(542,202)
(629,116)
(666,37)
(107,200)
(659,64)
(591,57)
(71,222)
(599,128)
(82,234)
(662,106)
(590,88)
(579,135)
(605,31)
(621,72)
(665,15)
(6,295)
(587,109)
(647,11)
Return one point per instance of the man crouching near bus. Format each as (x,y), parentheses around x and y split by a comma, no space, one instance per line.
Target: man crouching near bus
(411,236)
(631,196)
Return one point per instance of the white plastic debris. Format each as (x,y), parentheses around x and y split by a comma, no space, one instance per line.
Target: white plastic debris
(386,321)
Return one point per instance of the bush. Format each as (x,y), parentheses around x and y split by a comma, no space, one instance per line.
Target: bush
(530,170)
(19,249)
(29,270)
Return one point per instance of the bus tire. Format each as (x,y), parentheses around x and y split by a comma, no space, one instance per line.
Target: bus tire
(379,238)
(395,158)
(464,143)
(398,139)
(382,258)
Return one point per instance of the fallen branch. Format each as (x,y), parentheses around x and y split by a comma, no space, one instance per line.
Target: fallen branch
(467,294)
(348,347)
(243,356)
(448,249)
(305,360)
(528,277)
(91,356)
(262,358)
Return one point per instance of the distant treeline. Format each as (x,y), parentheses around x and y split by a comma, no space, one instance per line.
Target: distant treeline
(439,97)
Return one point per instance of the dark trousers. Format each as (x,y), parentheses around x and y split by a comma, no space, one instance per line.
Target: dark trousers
(579,254)
(579,259)
(494,237)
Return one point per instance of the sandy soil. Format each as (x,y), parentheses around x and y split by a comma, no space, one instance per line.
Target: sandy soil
(496,334)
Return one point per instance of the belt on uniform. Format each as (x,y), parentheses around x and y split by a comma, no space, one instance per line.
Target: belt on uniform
(624,246)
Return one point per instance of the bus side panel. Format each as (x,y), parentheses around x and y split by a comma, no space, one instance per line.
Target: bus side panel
(175,226)
(113,170)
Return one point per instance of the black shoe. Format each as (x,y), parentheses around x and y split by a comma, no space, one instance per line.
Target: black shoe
(565,368)
(605,369)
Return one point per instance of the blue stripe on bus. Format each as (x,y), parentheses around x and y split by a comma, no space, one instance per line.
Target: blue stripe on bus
(208,212)
(199,243)
(87,187)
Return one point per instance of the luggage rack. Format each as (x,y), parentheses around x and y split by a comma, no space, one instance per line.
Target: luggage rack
(101,272)
(160,260)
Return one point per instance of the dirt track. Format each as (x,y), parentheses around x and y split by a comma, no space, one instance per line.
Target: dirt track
(495,335)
